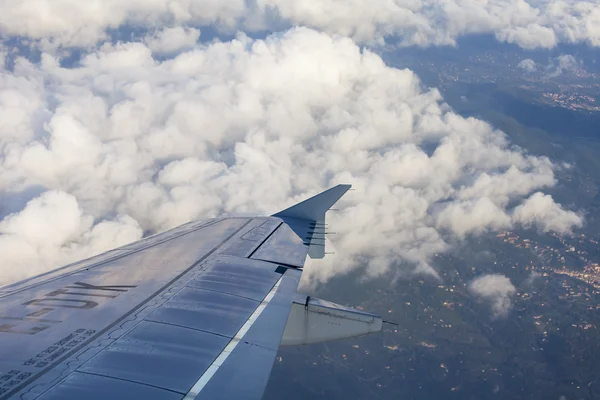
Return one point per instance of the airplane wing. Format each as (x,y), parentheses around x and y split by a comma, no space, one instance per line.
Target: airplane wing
(195,312)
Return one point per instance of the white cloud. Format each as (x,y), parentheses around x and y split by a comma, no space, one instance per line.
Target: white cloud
(541,210)
(253,126)
(172,40)
(528,37)
(53,230)
(527,65)
(495,289)
(81,23)
(527,23)
(473,216)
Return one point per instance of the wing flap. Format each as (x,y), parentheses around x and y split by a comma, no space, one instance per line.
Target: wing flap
(243,373)
(237,276)
(206,310)
(157,354)
(181,339)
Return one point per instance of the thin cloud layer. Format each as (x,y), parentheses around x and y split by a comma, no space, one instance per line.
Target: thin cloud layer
(557,66)
(128,142)
(527,23)
(562,64)
(495,289)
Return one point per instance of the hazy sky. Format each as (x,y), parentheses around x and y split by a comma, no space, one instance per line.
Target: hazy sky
(142,135)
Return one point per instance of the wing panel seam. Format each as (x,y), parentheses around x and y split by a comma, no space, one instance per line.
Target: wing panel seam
(153,321)
(264,240)
(280,263)
(220,291)
(128,380)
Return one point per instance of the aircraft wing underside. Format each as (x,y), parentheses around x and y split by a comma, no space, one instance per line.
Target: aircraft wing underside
(195,312)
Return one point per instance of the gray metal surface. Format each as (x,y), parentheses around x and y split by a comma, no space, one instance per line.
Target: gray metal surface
(108,256)
(243,375)
(257,349)
(149,318)
(247,243)
(93,387)
(240,277)
(160,355)
(284,247)
(219,313)
(312,234)
(268,331)
(307,219)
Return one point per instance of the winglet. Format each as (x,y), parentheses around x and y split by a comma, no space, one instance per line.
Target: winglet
(307,218)
(314,209)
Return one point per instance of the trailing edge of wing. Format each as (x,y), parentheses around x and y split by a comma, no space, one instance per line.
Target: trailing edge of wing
(307,218)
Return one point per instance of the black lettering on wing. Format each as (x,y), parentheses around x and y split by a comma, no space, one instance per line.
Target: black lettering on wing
(10,328)
(66,303)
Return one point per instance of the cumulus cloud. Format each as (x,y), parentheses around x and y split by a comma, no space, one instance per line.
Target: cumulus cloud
(172,40)
(541,210)
(53,230)
(495,289)
(125,142)
(531,36)
(527,65)
(527,23)
(473,216)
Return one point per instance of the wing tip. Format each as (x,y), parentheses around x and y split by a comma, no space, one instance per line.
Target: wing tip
(303,217)
(314,208)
